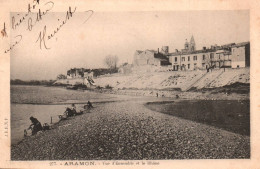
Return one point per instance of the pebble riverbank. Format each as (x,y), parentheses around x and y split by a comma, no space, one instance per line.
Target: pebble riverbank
(127,130)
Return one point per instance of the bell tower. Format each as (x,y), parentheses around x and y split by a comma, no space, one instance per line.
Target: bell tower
(186,45)
(192,46)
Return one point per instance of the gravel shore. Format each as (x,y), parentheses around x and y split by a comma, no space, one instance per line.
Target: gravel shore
(206,95)
(127,130)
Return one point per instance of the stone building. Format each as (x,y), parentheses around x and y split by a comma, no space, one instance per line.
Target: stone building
(88,75)
(75,73)
(151,57)
(241,55)
(79,73)
(199,59)
(225,56)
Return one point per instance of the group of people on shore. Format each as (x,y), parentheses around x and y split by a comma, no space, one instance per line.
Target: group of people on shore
(36,125)
(71,111)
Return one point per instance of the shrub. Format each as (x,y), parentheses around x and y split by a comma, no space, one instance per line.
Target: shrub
(99,87)
(108,87)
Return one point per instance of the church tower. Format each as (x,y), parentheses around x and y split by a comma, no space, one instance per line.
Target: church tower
(186,45)
(192,46)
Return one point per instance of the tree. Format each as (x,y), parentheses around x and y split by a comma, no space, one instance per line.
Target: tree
(111,61)
(61,76)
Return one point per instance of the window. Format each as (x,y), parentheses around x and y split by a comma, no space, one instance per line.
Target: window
(195,65)
(212,56)
(203,57)
(203,64)
(183,59)
(175,59)
(194,57)
(188,58)
(188,66)
(182,67)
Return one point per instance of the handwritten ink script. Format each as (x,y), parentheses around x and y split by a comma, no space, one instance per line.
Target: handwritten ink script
(22,18)
(42,35)
(39,15)
(36,12)
(18,39)
(3,32)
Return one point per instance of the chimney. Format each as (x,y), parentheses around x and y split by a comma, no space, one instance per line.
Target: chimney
(176,50)
(158,50)
(204,48)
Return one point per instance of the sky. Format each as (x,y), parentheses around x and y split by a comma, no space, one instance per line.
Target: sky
(79,44)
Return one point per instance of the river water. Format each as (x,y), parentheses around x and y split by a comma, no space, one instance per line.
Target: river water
(20,114)
(45,103)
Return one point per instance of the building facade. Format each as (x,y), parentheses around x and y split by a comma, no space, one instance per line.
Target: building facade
(225,56)
(79,73)
(241,55)
(75,73)
(151,57)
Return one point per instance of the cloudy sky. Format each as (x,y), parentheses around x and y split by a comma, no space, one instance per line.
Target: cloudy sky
(79,44)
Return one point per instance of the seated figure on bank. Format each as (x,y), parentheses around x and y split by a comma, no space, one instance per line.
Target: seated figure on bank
(35,126)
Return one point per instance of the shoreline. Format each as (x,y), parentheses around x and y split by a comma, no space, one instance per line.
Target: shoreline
(123,128)
(78,96)
(111,131)
(231,115)
(64,103)
(146,104)
(172,94)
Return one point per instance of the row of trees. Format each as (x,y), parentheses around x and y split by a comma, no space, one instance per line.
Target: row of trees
(32,82)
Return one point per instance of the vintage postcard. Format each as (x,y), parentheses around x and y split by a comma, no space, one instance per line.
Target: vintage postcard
(129,84)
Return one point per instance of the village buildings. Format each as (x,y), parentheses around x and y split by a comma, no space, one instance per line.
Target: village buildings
(151,57)
(79,73)
(226,56)
(187,59)
(78,76)
(240,55)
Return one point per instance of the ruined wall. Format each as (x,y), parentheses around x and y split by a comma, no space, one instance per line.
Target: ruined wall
(142,58)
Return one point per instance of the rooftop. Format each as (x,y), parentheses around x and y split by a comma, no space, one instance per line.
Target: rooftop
(241,44)
(213,49)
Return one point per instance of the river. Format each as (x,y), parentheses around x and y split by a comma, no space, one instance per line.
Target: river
(45,103)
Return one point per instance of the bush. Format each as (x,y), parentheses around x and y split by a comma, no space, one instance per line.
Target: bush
(108,87)
(99,87)
(80,86)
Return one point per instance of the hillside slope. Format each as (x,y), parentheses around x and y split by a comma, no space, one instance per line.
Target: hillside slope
(176,80)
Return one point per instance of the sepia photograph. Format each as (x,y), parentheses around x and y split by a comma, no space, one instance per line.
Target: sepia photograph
(129,84)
